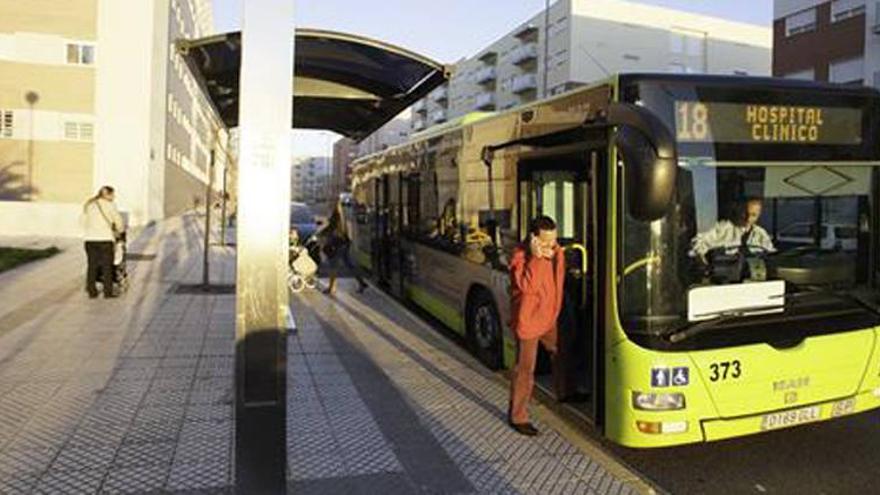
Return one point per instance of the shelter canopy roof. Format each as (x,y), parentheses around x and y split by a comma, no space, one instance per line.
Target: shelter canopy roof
(343,83)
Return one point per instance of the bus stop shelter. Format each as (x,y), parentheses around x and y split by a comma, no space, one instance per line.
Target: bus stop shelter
(324,80)
(343,83)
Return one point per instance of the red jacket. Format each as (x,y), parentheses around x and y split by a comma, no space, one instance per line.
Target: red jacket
(536,293)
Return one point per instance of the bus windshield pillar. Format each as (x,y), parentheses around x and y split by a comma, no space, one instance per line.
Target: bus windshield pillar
(262,298)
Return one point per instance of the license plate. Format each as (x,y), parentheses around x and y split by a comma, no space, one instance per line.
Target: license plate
(790,418)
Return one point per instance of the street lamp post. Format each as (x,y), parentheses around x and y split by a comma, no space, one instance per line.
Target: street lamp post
(31,97)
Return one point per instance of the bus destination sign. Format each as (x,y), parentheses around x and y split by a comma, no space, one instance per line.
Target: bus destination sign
(703,122)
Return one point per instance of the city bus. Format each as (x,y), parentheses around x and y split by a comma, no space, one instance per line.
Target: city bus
(676,327)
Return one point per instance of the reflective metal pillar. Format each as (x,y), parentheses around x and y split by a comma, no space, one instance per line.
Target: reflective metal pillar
(266,93)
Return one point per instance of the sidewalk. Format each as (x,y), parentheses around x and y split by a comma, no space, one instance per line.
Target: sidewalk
(382,403)
(118,396)
(135,394)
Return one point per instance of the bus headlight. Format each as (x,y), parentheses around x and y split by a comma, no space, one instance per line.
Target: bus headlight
(651,401)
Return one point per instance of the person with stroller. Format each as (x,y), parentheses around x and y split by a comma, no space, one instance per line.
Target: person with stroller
(102,226)
(335,244)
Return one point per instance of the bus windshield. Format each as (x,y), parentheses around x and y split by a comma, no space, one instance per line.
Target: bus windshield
(750,241)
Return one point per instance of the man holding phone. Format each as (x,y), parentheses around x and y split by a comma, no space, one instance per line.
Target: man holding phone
(537,275)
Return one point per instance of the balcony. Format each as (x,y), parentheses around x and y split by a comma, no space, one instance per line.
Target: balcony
(485,101)
(489,58)
(420,106)
(523,83)
(527,31)
(440,95)
(438,116)
(486,75)
(525,53)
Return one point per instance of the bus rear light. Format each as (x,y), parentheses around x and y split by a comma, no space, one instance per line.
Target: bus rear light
(651,401)
(657,427)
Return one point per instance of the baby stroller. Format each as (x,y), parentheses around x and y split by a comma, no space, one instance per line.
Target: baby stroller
(303,269)
(120,271)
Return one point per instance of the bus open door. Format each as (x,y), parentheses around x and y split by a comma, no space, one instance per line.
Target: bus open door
(558,183)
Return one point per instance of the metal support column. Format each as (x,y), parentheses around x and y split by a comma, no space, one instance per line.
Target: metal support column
(209,203)
(224,198)
(266,99)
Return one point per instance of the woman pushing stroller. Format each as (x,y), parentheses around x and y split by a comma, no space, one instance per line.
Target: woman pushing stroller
(103,227)
(335,244)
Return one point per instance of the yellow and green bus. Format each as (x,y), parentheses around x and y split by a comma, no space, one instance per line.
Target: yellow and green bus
(721,239)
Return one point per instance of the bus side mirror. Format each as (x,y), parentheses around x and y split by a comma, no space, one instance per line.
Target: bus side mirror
(650,178)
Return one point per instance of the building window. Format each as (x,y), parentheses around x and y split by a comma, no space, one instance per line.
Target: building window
(79,131)
(844,9)
(676,42)
(802,22)
(848,71)
(695,45)
(6,123)
(803,75)
(80,54)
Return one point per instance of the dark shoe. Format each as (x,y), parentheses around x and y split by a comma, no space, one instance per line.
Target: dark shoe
(526,429)
(93,295)
(111,296)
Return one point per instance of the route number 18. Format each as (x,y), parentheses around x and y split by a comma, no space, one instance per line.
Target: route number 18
(693,121)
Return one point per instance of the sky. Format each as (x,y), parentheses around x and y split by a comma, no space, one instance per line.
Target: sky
(445,30)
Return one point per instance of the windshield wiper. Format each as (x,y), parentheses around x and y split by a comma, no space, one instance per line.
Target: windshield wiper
(689,330)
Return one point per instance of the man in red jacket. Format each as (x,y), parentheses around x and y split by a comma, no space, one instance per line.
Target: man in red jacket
(536,279)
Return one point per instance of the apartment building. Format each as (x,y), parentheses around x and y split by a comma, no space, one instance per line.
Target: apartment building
(94,93)
(346,150)
(827,40)
(580,41)
(310,179)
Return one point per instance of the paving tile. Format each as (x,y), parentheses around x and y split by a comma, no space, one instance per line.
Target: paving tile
(198,476)
(152,432)
(18,483)
(204,430)
(144,454)
(14,462)
(204,450)
(69,482)
(84,457)
(316,465)
(138,479)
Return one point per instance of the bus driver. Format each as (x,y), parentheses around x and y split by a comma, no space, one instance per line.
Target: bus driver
(745,233)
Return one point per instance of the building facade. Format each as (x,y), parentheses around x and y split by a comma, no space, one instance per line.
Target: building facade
(827,40)
(580,41)
(346,150)
(94,93)
(310,179)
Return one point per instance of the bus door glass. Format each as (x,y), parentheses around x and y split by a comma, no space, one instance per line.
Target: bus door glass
(559,188)
(383,229)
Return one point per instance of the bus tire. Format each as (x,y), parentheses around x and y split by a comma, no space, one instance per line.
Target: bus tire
(484,330)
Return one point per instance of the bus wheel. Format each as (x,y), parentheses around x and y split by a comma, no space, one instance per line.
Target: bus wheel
(484,330)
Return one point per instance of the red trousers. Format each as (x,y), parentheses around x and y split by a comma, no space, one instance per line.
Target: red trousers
(524,374)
